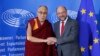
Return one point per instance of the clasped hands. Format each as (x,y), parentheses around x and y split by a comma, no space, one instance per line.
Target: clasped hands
(51,40)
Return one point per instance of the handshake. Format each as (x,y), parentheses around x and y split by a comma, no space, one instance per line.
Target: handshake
(51,40)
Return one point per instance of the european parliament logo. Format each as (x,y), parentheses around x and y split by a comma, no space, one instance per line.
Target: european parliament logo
(16,17)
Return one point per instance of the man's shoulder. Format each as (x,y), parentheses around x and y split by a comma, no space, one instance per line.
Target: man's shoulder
(72,20)
(31,19)
(56,23)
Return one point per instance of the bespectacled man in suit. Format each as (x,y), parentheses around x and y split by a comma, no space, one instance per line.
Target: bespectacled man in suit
(66,31)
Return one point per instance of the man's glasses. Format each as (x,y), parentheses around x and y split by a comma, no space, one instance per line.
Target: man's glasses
(40,12)
(61,12)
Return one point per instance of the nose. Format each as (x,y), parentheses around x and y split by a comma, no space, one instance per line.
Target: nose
(61,15)
(42,15)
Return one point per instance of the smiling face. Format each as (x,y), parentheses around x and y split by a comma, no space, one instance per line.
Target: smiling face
(61,13)
(42,13)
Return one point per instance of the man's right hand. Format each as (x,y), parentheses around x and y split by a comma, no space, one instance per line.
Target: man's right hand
(51,40)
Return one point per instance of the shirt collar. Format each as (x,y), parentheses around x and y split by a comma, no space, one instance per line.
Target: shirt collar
(65,20)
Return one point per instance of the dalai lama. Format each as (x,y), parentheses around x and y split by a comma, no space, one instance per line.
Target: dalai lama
(38,32)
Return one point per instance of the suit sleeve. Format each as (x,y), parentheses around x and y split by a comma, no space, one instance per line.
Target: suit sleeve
(72,36)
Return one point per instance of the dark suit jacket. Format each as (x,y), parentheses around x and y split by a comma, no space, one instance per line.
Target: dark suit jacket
(68,42)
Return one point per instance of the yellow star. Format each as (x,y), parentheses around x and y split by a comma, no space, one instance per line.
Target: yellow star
(82,49)
(91,14)
(90,47)
(96,40)
(83,11)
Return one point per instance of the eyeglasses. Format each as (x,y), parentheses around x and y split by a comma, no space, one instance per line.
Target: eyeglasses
(61,12)
(40,12)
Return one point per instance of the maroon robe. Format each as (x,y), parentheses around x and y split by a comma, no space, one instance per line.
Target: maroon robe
(40,49)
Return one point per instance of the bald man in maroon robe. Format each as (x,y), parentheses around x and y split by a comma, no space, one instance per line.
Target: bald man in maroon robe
(38,32)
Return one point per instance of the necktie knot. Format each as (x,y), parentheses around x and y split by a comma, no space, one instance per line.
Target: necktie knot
(62,21)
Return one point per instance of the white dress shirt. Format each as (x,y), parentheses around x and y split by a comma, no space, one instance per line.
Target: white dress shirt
(64,24)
